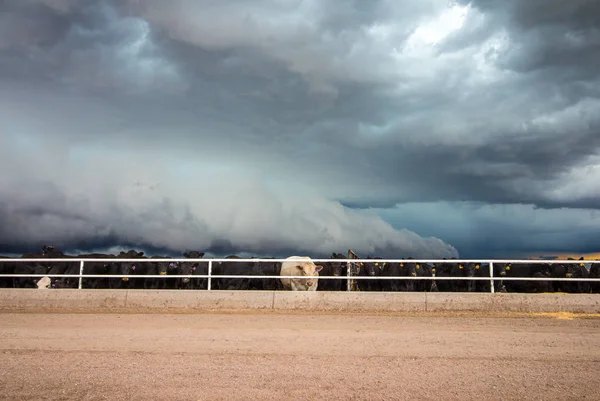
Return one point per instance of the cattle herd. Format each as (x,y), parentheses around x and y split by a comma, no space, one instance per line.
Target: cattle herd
(426,276)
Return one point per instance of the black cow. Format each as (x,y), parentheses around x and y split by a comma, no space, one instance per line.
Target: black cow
(192,268)
(443,269)
(332,269)
(251,268)
(96,268)
(424,270)
(579,271)
(164,269)
(370,269)
(570,270)
(265,268)
(538,270)
(464,270)
(144,269)
(230,269)
(66,282)
(125,268)
(186,269)
(398,269)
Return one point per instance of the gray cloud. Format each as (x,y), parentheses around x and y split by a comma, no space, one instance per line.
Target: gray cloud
(305,119)
(85,46)
(482,230)
(138,203)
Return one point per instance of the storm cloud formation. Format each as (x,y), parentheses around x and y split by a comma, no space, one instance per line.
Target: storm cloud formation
(414,128)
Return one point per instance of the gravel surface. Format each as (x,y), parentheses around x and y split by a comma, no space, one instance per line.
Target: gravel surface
(279,356)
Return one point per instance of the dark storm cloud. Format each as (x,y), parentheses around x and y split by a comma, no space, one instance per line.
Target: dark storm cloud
(518,166)
(533,14)
(518,145)
(241,125)
(559,35)
(24,24)
(84,45)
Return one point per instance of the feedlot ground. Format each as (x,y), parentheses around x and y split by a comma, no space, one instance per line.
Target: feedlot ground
(279,356)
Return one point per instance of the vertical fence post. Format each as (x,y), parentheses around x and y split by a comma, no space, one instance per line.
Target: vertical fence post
(348,275)
(209,275)
(80,274)
(491,277)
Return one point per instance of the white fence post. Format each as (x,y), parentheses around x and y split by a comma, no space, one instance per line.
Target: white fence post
(491,277)
(209,275)
(80,273)
(349,275)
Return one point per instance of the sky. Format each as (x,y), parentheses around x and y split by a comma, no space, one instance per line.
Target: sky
(416,128)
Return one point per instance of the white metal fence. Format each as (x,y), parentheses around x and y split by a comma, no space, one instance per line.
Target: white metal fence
(351,266)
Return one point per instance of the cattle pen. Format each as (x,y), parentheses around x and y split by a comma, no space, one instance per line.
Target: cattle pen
(349,277)
(346,299)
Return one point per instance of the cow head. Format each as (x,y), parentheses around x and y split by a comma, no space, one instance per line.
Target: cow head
(164,268)
(410,269)
(366,269)
(193,255)
(443,268)
(502,269)
(187,269)
(572,270)
(370,268)
(309,269)
(127,268)
(403,269)
(337,267)
(469,269)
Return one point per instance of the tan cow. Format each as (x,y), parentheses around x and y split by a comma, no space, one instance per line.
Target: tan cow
(301,266)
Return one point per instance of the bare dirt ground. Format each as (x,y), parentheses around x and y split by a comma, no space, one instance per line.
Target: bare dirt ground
(279,356)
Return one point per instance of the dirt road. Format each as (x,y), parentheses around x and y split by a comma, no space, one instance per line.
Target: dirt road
(279,356)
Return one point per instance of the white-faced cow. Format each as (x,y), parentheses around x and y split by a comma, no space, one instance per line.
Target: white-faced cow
(301,266)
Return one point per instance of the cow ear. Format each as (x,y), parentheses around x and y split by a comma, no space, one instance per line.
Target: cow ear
(318,268)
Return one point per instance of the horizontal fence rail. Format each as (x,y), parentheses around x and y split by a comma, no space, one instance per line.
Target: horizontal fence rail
(351,263)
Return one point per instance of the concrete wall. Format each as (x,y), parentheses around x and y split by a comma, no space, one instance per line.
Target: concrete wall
(172,300)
